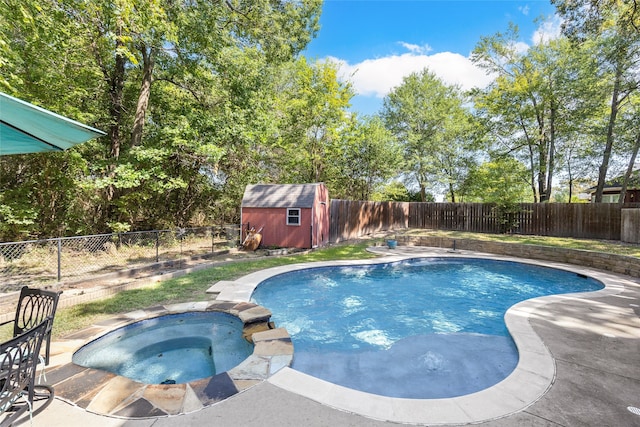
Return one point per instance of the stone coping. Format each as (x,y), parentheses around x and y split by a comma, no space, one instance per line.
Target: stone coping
(531,379)
(105,393)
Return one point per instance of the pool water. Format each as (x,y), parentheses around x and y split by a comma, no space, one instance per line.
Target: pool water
(423,328)
(171,349)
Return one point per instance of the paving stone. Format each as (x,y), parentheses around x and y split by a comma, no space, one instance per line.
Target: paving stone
(139,409)
(214,389)
(278,362)
(137,314)
(118,392)
(271,334)
(273,347)
(114,321)
(82,384)
(220,285)
(241,306)
(63,373)
(85,334)
(252,368)
(226,306)
(255,314)
(191,401)
(169,398)
(249,330)
(245,384)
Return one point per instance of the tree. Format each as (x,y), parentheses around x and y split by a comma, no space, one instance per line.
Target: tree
(395,191)
(630,135)
(370,157)
(429,120)
(312,110)
(501,180)
(614,28)
(174,84)
(529,103)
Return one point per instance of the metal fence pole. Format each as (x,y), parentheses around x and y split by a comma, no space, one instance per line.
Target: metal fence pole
(157,246)
(213,239)
(59,259)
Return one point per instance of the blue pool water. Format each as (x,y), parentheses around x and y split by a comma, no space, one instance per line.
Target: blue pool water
(171,349)
(423,328)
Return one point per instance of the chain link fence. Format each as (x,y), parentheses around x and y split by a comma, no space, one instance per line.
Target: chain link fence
(37,263)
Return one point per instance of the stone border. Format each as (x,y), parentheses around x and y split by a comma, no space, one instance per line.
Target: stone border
(105,393)
(531,379)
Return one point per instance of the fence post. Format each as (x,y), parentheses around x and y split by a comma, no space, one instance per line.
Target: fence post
(59,259)
(157,246)
(213,239)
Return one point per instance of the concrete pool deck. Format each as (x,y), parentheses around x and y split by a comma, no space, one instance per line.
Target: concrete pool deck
(582,367)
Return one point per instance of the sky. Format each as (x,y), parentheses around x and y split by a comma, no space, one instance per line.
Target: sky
(378,42)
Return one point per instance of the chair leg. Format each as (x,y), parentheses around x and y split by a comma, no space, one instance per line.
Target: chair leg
(43,395)
(47,349)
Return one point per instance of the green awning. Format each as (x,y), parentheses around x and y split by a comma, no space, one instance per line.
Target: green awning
(26,128)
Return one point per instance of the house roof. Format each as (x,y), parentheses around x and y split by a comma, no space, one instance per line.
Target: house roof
(279,195)
(616,183)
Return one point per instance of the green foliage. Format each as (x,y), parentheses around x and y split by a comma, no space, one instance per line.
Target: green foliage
(396,191)
(185,91)
(370,157)
(313,106)
(502,180)
(435,129)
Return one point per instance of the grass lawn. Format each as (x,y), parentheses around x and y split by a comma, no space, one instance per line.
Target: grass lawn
(192,287)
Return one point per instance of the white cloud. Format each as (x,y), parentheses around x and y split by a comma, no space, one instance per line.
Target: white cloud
(524,10)
(377,77)
(414,48)
(548,30)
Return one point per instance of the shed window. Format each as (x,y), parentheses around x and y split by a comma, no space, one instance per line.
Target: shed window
(293,216)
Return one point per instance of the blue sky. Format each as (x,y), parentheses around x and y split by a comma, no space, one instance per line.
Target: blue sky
(377,42)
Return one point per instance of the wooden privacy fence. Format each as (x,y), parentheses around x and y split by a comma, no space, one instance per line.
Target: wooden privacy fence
(352,219)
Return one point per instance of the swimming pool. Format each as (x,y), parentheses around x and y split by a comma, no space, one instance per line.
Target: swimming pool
(170,349)
(422,328)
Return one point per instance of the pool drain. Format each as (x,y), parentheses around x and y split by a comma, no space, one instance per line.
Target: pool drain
(634,410)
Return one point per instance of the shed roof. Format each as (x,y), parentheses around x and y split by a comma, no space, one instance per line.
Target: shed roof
(279,195)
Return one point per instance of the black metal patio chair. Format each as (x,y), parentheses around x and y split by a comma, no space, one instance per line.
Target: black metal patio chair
(18,390)
(34,306)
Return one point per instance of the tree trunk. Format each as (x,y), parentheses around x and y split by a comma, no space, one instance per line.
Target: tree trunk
(627,175)
(606,155)
(116,110)
(543,153)
(148,62)
(552,149)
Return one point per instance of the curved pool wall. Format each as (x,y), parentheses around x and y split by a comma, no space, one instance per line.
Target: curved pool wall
(170,349)
(530,380)
(109,394)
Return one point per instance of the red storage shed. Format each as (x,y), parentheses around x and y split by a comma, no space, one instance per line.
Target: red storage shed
(290,215)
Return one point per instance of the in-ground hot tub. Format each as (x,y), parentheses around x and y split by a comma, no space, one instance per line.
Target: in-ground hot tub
(170,349)
(104,392)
